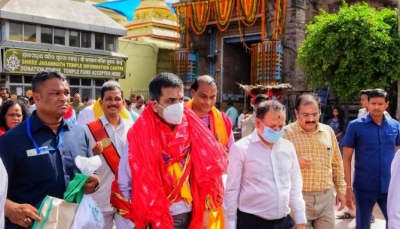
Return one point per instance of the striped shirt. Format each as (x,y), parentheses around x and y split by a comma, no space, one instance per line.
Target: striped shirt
(326,170)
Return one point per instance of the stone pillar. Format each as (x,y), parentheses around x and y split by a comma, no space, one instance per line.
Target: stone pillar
(294,35)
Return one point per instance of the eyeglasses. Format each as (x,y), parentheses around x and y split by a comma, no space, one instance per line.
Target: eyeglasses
(12,115)
(315,115)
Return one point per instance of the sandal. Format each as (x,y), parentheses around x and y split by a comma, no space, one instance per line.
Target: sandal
(345,215)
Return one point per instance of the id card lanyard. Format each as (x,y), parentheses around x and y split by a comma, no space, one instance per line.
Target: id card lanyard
(44,148)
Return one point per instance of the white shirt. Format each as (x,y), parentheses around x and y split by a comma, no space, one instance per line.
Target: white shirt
(393,206)
(118,138)
(139,111)
(86,115)
(239,121)
(263,182)
(125,184)
(3,191)
(32,108)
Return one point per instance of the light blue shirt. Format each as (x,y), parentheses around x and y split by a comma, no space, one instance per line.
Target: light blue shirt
(232,113)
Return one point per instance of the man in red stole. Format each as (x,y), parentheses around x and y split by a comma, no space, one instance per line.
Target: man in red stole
(170,175)
(204,95)
(107,138)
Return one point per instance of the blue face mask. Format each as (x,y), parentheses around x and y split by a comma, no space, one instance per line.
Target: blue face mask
(271,135)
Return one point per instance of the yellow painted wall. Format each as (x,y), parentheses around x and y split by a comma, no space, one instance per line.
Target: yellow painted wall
(164,63)
(141,66)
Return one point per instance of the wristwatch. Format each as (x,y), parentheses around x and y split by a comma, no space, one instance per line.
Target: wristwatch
(97,186)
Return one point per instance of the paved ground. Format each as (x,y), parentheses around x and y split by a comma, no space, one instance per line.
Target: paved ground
(351,224)
(379,221)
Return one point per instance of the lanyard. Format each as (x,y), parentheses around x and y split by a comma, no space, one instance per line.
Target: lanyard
(44,148)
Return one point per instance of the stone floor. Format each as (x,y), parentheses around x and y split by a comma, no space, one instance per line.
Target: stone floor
(351,224)
(379,221)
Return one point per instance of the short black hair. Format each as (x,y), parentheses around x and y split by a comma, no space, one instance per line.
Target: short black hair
(260,98)
(5,88)
(306,99)
(110,85)
(86,99)
(128,102)
(139,97)
(42,76)
(202,79)
(163,80)
(378,93)
(4,108)
(230,104)
(365,92)
(266,106)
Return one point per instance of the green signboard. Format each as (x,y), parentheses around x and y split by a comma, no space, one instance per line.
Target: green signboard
(26,61)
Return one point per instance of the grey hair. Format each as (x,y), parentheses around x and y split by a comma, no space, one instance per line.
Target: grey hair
(110,85)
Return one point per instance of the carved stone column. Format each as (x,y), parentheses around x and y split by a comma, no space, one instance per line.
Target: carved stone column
(294,35)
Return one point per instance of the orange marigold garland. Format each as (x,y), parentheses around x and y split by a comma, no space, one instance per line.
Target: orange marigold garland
(181,11)
(264,63)
(263,19)
(241,36)
(180,62)
(248,9)
(223,13)
(283,17)
(200,12)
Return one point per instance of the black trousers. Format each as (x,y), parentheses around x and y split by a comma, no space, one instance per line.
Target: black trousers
(249,221)
(181,221)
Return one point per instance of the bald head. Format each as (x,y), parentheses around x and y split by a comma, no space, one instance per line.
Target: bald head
(204,94)
(201,80)
(91,102)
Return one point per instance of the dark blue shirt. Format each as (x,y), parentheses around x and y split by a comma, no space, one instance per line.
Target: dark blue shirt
(374,151)
(31,178)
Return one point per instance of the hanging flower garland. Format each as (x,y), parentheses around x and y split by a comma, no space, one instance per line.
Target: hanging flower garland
(263,19)
(248,9)
(223,13)
(181,13)
(200,12)
(264,63)
(280,14)
(180,63)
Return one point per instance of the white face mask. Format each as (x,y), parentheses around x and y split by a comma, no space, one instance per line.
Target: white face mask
(173,113)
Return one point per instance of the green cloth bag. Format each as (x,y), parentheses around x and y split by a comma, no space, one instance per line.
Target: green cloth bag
(60,213)
(75,191)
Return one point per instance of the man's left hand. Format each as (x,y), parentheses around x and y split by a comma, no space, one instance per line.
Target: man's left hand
(205,219)
(342,200)
(91,184)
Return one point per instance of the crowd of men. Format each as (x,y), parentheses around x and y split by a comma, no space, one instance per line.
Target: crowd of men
(163,162)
